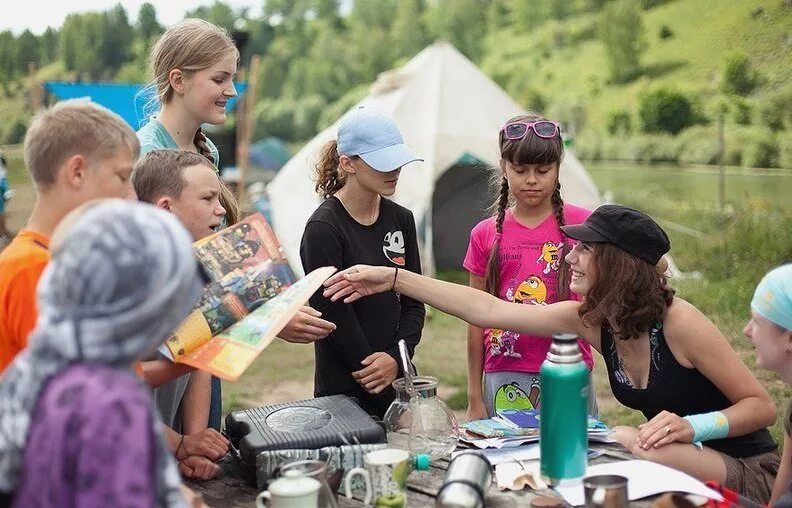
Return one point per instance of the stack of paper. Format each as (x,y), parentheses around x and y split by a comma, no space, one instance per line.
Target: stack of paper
(514,427)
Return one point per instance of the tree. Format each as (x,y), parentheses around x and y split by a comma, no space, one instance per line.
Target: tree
(327,10)
(408,33)
(460,22)
(48,45)
(27,50)
(81,39)
(738,76)
(498,15)
(117,37)
(147,26)
(328,74)
(622,32)
(8,61)
(665,110)
(218,13)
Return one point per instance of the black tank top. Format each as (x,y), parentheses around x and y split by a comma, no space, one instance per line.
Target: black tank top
(678,389)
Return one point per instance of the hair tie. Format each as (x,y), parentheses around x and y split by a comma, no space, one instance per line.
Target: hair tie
(498,237)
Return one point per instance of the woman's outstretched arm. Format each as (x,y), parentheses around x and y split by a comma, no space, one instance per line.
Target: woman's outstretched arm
(476,307)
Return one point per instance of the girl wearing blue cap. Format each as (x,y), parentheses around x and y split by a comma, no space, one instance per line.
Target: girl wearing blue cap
(707,414)
(356,224)
(770,330)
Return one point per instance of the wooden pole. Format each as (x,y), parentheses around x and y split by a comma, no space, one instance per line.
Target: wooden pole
(245,119)
(721,157)
(34,88)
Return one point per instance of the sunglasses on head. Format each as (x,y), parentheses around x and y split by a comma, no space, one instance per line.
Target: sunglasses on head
(543,128)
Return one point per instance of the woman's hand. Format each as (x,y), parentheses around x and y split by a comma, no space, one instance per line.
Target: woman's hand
(358,281)
(663,429)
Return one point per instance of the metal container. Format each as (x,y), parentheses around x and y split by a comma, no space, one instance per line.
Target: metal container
(563,441)
(467,480)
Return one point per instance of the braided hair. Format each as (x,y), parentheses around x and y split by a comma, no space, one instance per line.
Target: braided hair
(531,149)
(227,198)
(492,277)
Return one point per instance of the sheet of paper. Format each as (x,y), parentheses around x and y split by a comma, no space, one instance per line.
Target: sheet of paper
(644,479)
(497,456)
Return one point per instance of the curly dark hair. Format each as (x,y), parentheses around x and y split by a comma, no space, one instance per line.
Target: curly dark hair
(628,294)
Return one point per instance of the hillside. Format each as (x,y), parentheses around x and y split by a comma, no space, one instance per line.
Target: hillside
(550,62)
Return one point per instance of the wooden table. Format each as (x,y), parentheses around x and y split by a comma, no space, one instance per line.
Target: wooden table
(229,490)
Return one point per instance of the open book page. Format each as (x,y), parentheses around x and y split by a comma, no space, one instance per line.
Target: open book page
(241,246)
(228,354)
(226,301)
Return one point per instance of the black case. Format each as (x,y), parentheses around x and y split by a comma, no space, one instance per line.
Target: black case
(302,424)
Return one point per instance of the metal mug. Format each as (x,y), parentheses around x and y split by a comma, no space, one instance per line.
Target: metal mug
(467,480)
(605,491)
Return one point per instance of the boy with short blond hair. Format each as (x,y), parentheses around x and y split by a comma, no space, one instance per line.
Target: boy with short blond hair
(75,151)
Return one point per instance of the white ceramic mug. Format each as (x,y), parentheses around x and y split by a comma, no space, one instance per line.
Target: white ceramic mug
(385,476)
(292,490)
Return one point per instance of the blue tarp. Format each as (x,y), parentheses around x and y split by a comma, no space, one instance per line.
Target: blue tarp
(134,102)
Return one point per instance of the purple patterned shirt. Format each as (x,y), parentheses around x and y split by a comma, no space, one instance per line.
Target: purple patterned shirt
(90,442)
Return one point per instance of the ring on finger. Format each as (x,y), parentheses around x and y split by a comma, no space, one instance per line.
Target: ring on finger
(667,430)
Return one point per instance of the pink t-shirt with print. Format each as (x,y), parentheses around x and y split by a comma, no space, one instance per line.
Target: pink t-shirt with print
(529,266)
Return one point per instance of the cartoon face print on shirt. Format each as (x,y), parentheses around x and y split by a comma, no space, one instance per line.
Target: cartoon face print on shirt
(511,396)
(530,291)
(502,342)
(393,247)
(550,257)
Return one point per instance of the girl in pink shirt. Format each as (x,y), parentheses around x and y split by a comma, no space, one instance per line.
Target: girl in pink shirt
(518,255)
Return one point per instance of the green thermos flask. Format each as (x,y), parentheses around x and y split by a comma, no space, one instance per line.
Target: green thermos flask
(563,417)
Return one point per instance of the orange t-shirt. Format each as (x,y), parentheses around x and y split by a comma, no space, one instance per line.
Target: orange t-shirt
(21,265)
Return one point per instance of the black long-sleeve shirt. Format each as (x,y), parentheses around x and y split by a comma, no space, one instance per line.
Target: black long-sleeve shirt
(375,323)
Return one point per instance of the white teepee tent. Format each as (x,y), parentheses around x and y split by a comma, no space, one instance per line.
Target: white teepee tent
(448,111)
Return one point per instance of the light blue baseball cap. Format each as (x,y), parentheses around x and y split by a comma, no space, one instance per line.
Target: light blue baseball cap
(773,296)
(374,137)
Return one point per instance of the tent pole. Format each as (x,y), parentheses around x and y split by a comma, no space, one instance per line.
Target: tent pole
(245,124)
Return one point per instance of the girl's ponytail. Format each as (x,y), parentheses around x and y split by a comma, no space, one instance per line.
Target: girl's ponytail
(328,175)
(227,198)
(492,276)
(562,274)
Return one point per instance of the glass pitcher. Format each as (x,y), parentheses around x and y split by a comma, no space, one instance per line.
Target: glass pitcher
(423,423)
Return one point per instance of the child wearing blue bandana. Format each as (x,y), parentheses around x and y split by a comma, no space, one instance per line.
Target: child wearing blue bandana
(770,330)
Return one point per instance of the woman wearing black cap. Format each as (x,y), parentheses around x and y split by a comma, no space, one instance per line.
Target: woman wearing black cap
(707,414)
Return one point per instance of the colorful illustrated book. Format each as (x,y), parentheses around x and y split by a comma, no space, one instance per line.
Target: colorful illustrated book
(253,293)
(227,354)
(244,245)
(520,418)
(495,427)
(529,419)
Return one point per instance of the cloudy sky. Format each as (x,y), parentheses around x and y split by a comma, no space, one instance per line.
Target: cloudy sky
(36,15)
